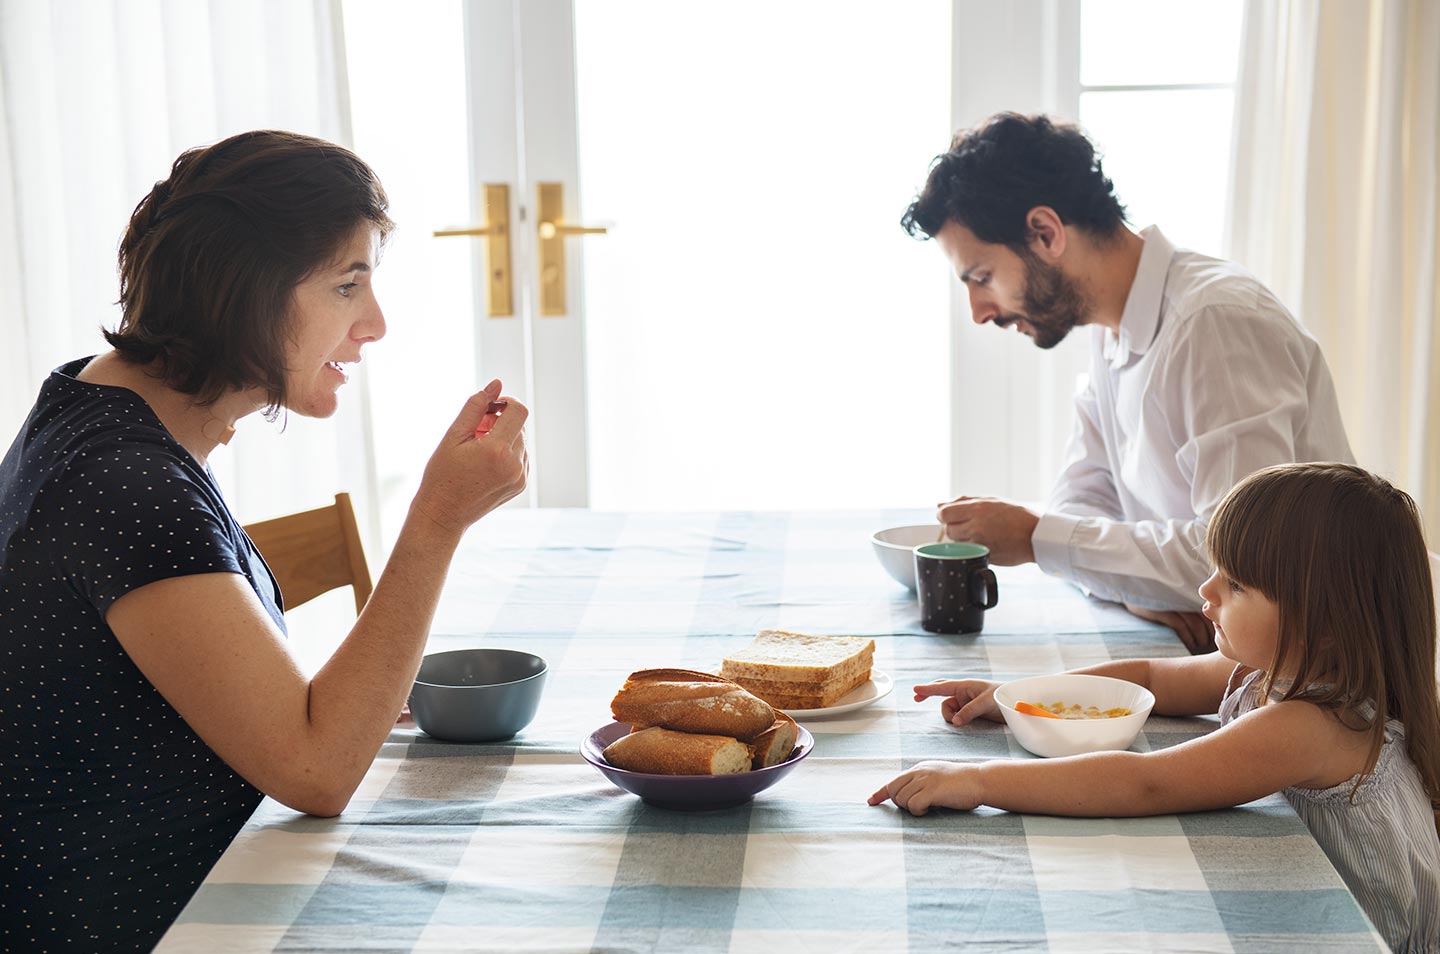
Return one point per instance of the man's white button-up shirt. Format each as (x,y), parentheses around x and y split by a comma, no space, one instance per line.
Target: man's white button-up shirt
(1209,380)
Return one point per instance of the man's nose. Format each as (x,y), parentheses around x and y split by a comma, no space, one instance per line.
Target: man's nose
(981,309)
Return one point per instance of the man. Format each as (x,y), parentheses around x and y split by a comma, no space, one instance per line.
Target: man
(1198,375)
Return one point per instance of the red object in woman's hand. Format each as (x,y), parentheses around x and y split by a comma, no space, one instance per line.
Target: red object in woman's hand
(494,410)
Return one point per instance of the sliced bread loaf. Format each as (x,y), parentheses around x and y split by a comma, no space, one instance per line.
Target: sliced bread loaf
(800,671)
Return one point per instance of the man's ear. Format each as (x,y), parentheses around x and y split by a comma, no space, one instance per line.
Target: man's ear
(1045,233)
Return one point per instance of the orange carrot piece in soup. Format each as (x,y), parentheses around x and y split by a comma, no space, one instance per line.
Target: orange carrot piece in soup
(1034,710)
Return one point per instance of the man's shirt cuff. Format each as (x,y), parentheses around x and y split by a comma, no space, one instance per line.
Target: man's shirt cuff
(1051,543)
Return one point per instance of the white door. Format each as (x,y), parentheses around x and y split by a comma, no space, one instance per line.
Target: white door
(754,329)
(522,138)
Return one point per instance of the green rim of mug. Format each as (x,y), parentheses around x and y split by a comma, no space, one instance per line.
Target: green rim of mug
(952,551)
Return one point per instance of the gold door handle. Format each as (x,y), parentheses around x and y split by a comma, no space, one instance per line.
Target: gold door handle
(549,230)
(497,248)
(552,229)
(481,230)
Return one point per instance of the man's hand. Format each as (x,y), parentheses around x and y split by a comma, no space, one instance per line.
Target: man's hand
(1003,527)
(1194,630)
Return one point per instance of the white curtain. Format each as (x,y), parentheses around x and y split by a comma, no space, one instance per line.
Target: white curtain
(1335,207)
(97,98)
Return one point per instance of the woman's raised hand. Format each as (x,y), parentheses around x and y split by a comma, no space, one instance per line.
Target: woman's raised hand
(471,474)
(965,699)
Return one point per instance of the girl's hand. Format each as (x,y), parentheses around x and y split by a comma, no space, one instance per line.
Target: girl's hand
(966,699)
(470,475)
(947,784)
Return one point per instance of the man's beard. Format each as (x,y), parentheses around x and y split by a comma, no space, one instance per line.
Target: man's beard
(1053,302)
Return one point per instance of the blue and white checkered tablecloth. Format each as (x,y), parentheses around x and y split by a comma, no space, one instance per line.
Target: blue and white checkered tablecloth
(524,847)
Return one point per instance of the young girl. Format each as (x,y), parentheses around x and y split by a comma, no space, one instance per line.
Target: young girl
(1324,682)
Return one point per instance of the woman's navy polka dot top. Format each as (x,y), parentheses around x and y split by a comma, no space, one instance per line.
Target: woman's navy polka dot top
(111,809)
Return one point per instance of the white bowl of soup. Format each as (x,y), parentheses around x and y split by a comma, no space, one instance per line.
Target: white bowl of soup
(1076,713)
(895,549)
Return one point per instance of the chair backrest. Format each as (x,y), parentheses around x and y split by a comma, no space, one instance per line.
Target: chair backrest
(314,552)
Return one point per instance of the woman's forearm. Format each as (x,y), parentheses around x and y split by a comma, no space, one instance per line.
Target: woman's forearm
(355,697)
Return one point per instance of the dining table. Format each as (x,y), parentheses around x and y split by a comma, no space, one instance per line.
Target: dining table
(523,846)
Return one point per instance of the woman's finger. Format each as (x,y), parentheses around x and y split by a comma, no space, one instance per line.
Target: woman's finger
(511,424)
(474,410)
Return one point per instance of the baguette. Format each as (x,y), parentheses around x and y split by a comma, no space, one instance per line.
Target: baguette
(660,751)
(775,744)
(691,701)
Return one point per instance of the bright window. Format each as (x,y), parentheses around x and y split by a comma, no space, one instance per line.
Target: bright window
(761,333)
(755,167)
(1157,90)
(408,111)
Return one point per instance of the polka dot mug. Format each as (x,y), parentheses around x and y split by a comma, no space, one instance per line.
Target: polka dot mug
(955,585)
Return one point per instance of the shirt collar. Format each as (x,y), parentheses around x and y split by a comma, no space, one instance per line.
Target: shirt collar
(1141,318)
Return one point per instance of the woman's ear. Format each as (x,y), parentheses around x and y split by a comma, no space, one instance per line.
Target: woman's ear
(1045,233)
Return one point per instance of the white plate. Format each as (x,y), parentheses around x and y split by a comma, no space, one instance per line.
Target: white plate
(861,696)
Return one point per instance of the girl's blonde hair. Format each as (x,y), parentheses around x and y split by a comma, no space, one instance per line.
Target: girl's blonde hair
(1341,552)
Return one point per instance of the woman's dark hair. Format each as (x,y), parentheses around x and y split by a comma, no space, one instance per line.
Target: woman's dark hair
(212,255)
(998,171)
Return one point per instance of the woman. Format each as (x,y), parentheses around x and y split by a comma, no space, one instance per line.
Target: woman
(147,695)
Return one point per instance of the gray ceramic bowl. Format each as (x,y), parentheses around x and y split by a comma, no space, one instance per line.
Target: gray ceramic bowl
(477,695)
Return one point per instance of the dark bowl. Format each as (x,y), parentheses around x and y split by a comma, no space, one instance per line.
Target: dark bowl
(477,695)
(690,792)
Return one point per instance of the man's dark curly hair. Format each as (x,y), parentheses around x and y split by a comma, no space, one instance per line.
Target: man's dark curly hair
(998,171)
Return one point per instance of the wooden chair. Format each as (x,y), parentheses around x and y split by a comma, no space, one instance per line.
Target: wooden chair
(314,552)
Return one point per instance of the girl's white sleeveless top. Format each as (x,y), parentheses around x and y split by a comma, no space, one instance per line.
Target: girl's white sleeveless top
(1383,844)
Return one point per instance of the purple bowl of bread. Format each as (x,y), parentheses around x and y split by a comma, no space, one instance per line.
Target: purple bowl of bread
(690,792)
(693,740)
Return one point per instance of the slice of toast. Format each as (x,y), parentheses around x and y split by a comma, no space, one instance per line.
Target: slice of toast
(789,695)
(800,671)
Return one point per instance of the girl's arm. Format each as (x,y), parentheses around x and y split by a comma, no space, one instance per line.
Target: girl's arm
(1185,685)
(1264,751)
(1189,685)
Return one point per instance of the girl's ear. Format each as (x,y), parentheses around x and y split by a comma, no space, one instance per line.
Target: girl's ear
(1045,233)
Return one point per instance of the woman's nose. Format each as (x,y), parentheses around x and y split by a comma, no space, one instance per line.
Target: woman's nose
(371,327)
